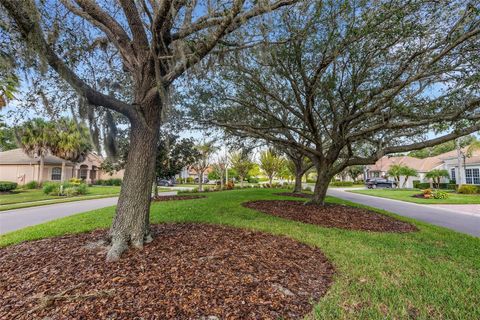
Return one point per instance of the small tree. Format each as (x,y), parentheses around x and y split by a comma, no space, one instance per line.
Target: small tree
(408,172)
(205,151)
(219,170)
(71,142)
(270,163)
(395,171)
(355,171)
(242,164)
(172,156)
(7,137)
(436,175)
(35,138)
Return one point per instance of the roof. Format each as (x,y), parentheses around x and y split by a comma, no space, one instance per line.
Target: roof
(421,165)
(18,156)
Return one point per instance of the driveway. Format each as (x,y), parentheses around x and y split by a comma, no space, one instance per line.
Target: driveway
(11,220)
(449,216)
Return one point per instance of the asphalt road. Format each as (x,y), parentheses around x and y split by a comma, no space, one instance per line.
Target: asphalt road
(15,219)
(461,221)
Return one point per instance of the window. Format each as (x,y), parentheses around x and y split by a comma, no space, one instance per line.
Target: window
(476,176)
(56,173)
(472,176)
(452,175)
(83,174)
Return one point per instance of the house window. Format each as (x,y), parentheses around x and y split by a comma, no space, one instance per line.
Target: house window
(56,173)
(472,176)
(452,175)
(83,174)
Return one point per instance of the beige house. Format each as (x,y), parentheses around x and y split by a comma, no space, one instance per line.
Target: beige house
(469,167)
(17,166)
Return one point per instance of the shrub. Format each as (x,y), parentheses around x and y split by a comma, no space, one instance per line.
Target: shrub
(229,185)
(50,188)
(31,185)
(82,188)
(452,186)
(68,189)
(422,185)
(108,182)
(253,180)
(440,195)
(75,181)
(6,186)
(416,184)
(190,180)
(467,189)
(341,183)
(71,191)
(427,193)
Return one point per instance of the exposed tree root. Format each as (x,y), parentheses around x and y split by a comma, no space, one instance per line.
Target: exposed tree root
(44,301)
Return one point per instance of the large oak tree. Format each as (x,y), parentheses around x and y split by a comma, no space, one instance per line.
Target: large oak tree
(156,42)
(356,80)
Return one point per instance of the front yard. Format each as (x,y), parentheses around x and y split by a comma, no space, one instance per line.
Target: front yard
(408,195)
(23,198)
(433,273)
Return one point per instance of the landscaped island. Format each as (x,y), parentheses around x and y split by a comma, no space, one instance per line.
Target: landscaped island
(410,195)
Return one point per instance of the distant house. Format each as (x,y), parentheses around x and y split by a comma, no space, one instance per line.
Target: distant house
(17,166)
(447,161)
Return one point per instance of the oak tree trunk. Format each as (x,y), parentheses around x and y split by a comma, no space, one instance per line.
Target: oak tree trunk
(324,176)
(131,223)
(200,182)
(298,180)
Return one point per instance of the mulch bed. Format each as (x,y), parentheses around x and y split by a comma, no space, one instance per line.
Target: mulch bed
(170,198)
(331,215)
(420,196)
(189,271)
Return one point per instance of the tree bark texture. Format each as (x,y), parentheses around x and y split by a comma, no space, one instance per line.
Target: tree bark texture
(131,223)
(324,176)
(298,181)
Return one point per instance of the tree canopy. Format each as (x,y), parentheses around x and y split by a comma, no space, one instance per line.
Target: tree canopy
(356,80)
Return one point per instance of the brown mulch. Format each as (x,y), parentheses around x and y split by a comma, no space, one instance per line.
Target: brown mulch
(421,196)
(170,198)
(189,271)
(331,215)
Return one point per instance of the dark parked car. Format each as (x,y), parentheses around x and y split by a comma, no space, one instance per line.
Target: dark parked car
(165,183)
(205,180)
(379,183)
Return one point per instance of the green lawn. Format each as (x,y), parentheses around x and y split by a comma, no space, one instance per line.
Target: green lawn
(407,195)
(22,198)
(431,274)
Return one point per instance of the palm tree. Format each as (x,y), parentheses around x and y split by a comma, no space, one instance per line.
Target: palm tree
(474,146)
(408,172)
(72,142)
(35,137)
(436,175)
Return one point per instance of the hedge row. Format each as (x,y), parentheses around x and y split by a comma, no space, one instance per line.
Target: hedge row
(6,186)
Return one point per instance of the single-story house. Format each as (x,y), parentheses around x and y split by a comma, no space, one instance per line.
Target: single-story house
(19,167)
(447,161)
